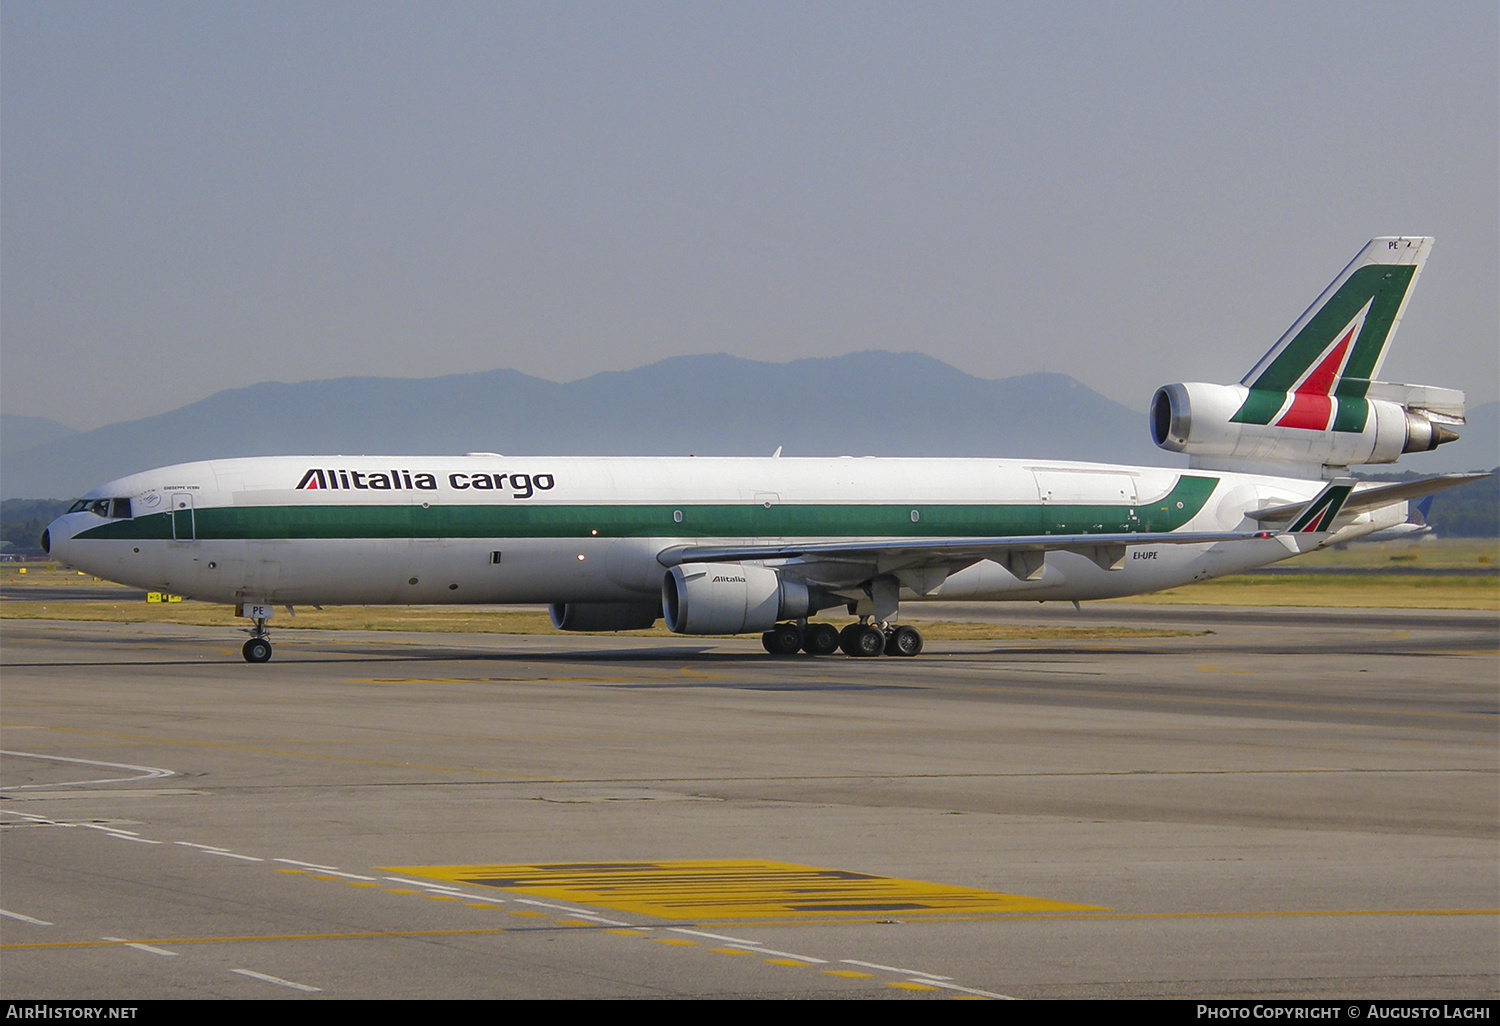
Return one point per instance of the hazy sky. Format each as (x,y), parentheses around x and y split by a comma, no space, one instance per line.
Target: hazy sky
(197,196)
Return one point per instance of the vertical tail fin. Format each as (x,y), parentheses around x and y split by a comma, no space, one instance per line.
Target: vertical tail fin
(1337,346)
(1311,406)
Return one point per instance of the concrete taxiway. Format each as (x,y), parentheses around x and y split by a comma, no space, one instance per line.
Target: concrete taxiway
(1277,804)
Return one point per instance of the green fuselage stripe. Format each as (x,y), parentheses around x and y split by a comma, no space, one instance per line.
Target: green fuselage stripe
(520,519)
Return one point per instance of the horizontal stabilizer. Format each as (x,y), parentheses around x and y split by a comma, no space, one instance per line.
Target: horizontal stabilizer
(1372,497)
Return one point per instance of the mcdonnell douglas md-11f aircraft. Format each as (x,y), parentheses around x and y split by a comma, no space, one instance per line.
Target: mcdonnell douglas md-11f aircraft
(728,546)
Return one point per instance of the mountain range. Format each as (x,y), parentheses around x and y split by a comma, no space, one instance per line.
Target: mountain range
(871,403)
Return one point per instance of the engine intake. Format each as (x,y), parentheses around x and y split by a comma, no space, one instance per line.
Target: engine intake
(727,598)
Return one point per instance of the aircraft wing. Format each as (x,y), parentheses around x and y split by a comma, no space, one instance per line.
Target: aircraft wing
(1373,497)
(1023,555)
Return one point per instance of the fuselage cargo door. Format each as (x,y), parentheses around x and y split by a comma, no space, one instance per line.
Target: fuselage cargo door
(1085,487)
(1085,500)
(183,525)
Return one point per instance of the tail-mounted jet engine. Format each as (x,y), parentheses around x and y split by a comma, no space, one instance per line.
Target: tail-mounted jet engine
(1227,427)
(728,598)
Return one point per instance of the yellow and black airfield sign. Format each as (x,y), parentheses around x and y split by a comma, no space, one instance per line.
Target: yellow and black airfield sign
(721,891)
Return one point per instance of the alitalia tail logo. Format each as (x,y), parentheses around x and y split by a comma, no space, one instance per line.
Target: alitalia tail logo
(1310,405)
(1320,513)
(521,486)
(1316,380)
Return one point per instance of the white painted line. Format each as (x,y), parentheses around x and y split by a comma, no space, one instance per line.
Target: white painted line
(348,876)
(552,904)
(24,919)
(581,913)
(330,870)
(143,772)
(715,936)
(309,865)
(126,837)
(934,982)
(33,818)
(895,969)
(232,855)
(424,883)
(784,954)
(203,847)
(750,945)
(276,980)
(142,947)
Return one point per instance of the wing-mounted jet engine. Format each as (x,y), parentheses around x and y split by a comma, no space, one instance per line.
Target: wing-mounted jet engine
(1312,406)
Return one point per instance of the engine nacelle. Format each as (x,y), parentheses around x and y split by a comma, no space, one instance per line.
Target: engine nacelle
(1225,426)
(603,616)
(727,598)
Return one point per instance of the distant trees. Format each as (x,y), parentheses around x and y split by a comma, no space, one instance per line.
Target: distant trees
(22,522)
(1468,511)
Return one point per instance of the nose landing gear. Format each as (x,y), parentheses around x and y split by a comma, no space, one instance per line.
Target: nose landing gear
(258,648)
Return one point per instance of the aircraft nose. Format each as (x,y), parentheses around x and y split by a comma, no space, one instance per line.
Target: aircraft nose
(55,539)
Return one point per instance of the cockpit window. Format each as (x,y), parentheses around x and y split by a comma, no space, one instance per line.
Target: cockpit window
(110,509)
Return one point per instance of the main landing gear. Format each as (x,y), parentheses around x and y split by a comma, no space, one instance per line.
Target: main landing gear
(861,639)
(258,648)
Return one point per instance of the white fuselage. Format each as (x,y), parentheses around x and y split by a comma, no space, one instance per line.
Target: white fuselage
(489,529)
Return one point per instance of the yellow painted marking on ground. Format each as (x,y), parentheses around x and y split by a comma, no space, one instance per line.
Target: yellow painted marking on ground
(848,974)
(738,890)
(907,985)
(728,951)
(291,872)
(439,897)
(328,879)
(530,915)
(1289,914)
(399,890)
(673,942)
(482,906)
(628,933)
(574,922)
(360,883)
(786,963)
